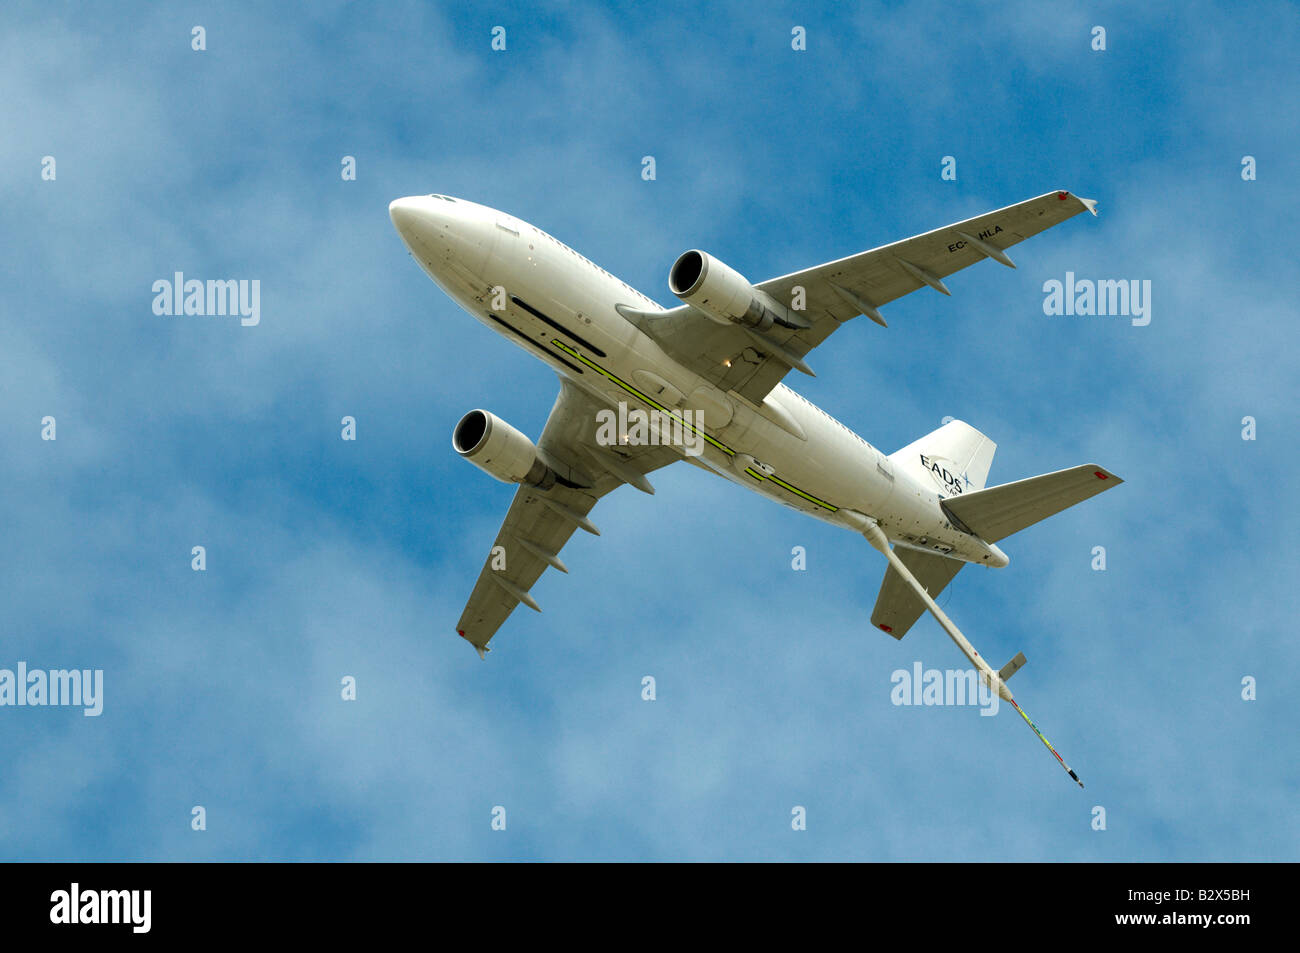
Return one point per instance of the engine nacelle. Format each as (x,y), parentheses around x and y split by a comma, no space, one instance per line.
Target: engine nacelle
(497,448)
(725,295)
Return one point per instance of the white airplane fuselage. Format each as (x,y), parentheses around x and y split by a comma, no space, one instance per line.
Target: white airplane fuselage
(558,306)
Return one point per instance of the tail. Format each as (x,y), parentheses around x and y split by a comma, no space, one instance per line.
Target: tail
(956,458)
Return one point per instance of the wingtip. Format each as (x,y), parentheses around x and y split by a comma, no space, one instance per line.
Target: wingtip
(1101,473)
(482,650)
(1089,204)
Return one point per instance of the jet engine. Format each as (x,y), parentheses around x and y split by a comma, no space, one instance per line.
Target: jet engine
(724,295)
(497,448)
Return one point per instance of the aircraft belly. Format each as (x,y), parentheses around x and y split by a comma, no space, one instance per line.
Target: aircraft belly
(612,360)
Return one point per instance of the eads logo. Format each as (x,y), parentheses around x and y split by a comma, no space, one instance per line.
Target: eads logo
(944,478)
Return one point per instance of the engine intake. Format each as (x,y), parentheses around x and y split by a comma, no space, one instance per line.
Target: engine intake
(725,295)
(497,448)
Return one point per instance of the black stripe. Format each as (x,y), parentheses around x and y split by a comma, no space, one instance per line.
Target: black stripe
(559,327)
(525,337)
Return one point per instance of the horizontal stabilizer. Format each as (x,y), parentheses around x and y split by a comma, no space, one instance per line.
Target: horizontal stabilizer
(999,511)
(898,606)
(1015,665)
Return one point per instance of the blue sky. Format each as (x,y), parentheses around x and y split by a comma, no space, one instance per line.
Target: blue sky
(328,558)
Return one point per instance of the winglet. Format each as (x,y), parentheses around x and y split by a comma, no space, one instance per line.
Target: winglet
(1089,204)
(482,650)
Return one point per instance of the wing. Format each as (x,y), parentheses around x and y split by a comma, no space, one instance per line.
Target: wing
(736,359)
(539,522)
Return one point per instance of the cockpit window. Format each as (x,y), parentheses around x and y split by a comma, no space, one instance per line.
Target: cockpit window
(445,198)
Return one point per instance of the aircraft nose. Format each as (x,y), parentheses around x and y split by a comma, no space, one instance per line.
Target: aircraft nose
(438,229)
(423,225)
(408,214)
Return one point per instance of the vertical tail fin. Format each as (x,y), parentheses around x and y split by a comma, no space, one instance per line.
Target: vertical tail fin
(956,458)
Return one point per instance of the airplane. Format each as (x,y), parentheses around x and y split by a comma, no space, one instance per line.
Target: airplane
(643,386)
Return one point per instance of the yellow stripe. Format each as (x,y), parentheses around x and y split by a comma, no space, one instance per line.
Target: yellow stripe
(798,492)
(660,407)
(640,396)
